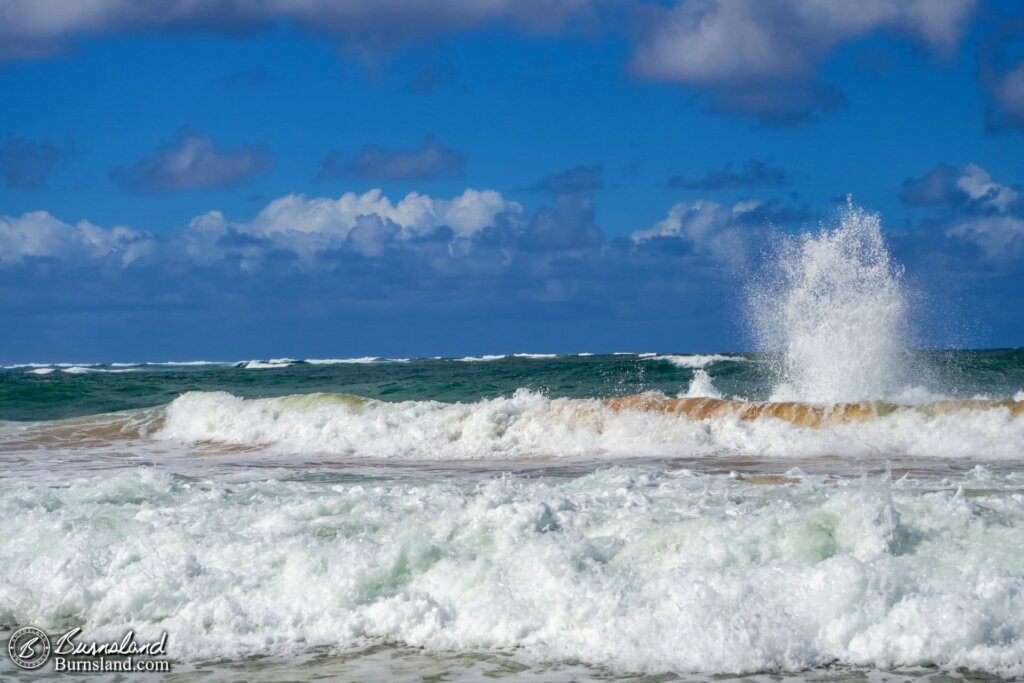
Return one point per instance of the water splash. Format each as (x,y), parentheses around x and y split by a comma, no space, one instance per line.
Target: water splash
(835,311)
(701,386)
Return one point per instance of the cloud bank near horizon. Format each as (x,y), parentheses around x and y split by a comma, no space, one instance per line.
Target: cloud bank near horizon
(476,259)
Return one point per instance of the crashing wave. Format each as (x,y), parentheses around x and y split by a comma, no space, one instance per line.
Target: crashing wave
(528,424)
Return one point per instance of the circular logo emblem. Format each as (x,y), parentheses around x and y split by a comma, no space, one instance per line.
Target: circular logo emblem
(29,647)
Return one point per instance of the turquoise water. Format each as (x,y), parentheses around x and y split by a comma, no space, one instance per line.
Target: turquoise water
(26,395)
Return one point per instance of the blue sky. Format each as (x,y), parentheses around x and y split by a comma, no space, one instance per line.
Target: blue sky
(411,178)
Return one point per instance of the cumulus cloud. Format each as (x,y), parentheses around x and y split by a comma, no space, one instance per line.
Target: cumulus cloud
(311,233)
(430,160)
(579,179)
(464,264)
(192,162)
(760,57)
(40,235)
(27,165)
(417,214)
(720,41)
(753,173)
(474,263)
(972,188)
(477,228)
(972,209)
(978,185)
(308,227)
(994,217)
(1000,238)
(722,232)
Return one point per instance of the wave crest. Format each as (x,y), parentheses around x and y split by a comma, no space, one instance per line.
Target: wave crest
(528,425)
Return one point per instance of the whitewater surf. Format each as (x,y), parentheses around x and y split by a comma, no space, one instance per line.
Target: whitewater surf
(836,503)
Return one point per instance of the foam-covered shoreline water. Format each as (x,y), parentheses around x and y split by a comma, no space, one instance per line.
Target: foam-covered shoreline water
(833,506)
(632,569)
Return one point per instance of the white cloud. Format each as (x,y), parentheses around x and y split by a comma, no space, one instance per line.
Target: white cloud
(713,42)
(309,225)
(39,234)
(1000,238)
(970,189)
(417,214)
(977,184)
(760,57)
(721,232)
(989,215)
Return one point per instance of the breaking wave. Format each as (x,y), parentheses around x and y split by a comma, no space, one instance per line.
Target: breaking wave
(696,361)
(529,424)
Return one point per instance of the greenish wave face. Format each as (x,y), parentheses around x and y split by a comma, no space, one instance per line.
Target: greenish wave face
(50,392)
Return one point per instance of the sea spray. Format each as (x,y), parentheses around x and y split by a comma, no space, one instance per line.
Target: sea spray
(834,309)
(701,386)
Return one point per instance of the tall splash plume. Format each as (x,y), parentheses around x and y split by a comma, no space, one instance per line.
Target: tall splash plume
(834,310)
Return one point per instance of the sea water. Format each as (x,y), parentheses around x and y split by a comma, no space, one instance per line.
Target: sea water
(811,509)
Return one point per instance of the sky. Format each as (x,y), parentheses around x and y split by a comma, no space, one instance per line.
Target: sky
(260,178)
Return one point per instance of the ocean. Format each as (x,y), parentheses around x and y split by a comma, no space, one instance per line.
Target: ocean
(835,506)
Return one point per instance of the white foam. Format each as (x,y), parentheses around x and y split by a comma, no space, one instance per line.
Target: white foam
(701,386)
(532,425)
(193,362)
(477,359)
(696,360)
(83,369)
(626,569)
(836,311)
(41,371)
(268,365)
(536,355)
(918,395)
(342,361)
